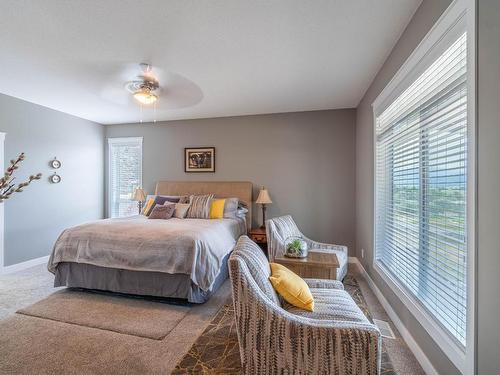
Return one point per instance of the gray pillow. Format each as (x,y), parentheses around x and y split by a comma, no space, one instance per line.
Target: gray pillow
(162,199)
(169,198)
(199,206)
(230,208)
(162,211)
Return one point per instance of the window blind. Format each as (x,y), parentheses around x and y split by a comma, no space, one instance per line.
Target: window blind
(421,180)
(125,174)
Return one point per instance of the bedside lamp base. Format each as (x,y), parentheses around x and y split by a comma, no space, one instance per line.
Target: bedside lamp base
(263,226)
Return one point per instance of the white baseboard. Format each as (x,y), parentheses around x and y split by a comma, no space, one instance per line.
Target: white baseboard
(405,334)
(24,265)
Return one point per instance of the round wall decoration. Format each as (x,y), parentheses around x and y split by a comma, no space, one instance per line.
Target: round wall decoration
(55,178)
(56,164)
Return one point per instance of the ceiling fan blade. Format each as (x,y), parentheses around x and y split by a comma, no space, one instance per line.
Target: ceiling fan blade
(178,92)
(114,88)
(116,94)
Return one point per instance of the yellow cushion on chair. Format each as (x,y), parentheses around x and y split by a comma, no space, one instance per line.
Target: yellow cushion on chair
(217,208)
(291,287)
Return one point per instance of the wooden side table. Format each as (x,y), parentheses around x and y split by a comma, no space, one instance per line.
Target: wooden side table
(315,266)
(259,236)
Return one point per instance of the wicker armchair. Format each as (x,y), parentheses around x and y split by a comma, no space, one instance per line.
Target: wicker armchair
(277,339)
(280,228)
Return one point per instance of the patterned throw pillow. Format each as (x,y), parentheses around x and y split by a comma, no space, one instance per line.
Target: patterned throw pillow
(199,206)
(153,200)
(162,211)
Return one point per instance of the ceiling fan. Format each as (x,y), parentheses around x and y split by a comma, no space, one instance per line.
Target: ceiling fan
(146,88)
(149,85)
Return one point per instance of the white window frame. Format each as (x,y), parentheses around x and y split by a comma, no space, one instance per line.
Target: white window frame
(119,140)
(458,17)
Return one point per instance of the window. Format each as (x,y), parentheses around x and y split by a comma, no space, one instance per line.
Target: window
(421,189)
(125,174)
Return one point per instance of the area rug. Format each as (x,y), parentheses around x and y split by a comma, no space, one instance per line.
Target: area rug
(216,351)
(64,340)
(128,316)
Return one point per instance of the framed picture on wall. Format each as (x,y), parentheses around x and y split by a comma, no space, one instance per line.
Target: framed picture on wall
(199,159)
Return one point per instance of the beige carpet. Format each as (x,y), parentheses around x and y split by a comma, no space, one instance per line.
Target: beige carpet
(30,345)
(137,317)
(68,342)
(22,288)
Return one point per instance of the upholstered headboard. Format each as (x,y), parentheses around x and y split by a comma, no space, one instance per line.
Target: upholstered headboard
(222,189)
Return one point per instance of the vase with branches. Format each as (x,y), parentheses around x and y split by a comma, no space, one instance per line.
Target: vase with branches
(7,185)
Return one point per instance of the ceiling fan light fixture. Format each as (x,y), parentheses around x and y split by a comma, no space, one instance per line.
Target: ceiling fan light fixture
(145,96)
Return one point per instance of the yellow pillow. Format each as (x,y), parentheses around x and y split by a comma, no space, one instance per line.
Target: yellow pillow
(291,287)
(217,208)
(147,208)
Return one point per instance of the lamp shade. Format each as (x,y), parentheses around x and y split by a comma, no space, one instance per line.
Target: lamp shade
(263,197)
(139,195)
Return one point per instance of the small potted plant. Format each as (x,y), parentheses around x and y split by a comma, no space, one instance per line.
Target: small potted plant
(295,247)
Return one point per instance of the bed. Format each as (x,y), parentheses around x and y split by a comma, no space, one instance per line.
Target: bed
(175,258)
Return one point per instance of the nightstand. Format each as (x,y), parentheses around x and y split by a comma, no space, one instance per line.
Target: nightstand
(258,235)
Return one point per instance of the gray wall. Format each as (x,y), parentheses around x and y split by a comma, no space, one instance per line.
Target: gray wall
(35,218)
(426,15)
(305,159)
(488,187)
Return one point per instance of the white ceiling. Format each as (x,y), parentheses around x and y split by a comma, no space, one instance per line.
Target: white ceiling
(247,57)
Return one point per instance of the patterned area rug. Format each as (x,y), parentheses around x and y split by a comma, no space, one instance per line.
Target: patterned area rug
(216,351)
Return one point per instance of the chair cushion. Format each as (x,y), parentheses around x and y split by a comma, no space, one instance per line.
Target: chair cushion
(331,304)
(291,287)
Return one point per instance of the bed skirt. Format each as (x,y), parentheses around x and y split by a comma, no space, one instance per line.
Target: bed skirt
(156,284)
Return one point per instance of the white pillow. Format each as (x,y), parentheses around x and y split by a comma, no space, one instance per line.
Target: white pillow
(242,212)
(230,208)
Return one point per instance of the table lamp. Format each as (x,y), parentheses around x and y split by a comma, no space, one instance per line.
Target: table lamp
(140,197)
(263,199)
